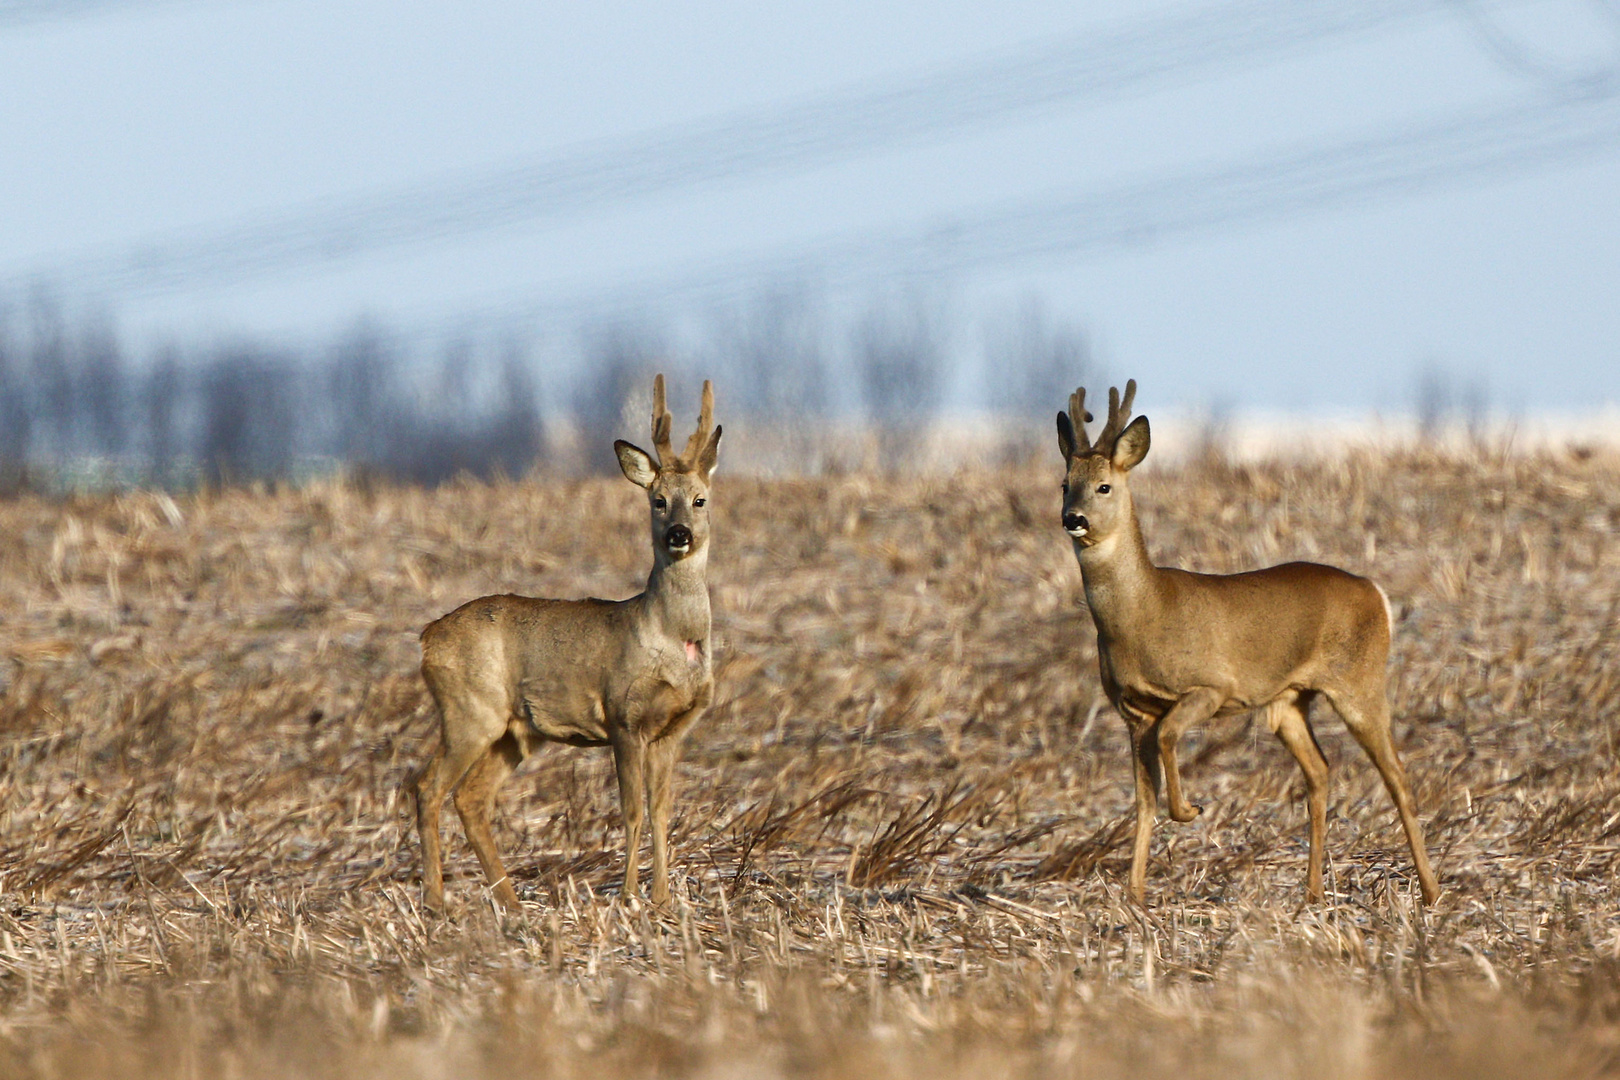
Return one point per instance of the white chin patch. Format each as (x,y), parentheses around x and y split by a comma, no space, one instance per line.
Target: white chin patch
(1078,534)
(679,549)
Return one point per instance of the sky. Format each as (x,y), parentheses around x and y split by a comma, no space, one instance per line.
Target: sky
(127,125)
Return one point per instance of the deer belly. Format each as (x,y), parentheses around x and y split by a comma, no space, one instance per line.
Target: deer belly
(578,722)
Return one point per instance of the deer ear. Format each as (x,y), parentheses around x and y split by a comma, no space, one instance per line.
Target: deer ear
(709,456)
(1132,445)
(637,463)
(1066,436)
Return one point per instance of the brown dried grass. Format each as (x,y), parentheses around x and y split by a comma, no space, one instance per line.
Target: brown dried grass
(900,834)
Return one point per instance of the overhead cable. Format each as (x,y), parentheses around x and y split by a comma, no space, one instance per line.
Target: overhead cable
(26,12)
(1471,146)
(860,119)
(1598,77)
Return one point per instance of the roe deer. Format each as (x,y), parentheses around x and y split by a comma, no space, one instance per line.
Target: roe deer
(509,673)
(1177,648)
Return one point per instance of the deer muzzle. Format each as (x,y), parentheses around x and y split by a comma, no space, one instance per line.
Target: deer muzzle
(678,539)
(1075,524)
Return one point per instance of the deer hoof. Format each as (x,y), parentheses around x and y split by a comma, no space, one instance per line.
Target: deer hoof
(1186,813)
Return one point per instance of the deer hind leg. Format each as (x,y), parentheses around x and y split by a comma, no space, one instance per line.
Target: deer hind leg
(475,799)
(429,797)
(442,773)
(1193,708)
(1367,717)
(463,742)
(630,762)
(1288,719)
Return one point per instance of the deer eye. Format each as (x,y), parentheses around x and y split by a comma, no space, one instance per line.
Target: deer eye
(699,502)
(660,503)
(1103,489)
(1065,487)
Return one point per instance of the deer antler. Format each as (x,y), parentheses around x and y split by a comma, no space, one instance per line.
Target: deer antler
(662,423)
(705,425)
(1118,412)
(1078,418)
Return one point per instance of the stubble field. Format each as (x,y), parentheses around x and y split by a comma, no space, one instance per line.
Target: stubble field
(900,835)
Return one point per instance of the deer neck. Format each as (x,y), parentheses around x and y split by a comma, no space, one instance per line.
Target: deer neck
(1120,580)
(677,598)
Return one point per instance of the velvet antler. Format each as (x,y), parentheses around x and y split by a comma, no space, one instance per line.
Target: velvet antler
(662,423)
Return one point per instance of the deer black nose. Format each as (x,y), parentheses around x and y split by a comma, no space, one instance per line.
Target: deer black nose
(1074,522)
(678,536)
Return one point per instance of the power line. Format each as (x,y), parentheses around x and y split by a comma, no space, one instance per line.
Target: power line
(1474,145)
(859,119)
(1512,56)
(27,12)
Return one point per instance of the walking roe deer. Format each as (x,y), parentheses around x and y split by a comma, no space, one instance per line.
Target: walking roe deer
(509,673)
(1176,648)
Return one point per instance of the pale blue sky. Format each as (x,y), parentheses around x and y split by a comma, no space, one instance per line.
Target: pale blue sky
(135,119)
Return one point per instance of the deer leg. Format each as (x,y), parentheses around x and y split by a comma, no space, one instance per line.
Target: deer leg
(442,773)
(630,762)
(475,799)
(1288,719)
(675,730)
(660,767)
(1145,755)
(1193,708)
(429,798)
(1368,720)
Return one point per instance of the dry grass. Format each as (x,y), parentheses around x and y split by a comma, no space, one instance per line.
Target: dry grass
(899,836)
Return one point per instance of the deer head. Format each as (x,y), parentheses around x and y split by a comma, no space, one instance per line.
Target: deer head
(1096,497)
(677,484)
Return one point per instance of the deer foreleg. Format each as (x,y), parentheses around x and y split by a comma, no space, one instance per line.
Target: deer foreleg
(630,762)
(1145,755)
(661,757)
(662,753)
(675,728)
(1193,708)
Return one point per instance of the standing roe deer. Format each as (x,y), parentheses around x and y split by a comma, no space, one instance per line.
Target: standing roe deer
(1177,648)
(511,672)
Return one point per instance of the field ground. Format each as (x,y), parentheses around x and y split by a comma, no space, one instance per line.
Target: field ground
(900,833)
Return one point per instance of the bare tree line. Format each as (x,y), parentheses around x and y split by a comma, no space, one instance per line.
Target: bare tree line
(77,409)
(81,407)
